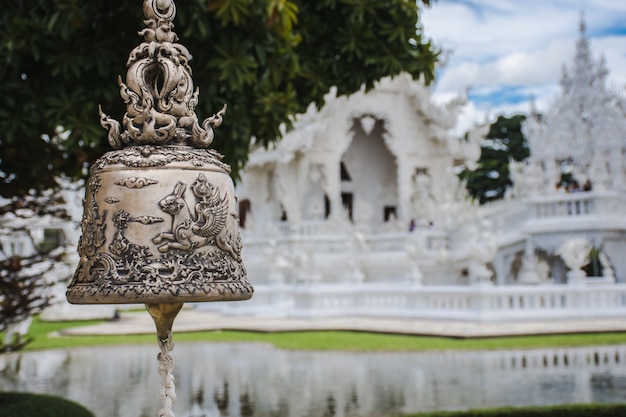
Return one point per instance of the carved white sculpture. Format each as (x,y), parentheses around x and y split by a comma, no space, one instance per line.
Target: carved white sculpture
(414,249)
(575,254)
(422,198)
(529,273)
(482,249)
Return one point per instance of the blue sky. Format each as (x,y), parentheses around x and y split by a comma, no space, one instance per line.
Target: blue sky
(509,52)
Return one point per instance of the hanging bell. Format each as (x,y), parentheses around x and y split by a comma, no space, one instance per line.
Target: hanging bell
(160,223)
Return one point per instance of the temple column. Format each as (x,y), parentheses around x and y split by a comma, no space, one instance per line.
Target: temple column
(616,166)
(333,188)
(286,184)
(405,190)
(257,191)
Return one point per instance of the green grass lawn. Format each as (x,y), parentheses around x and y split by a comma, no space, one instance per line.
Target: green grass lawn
(44,338)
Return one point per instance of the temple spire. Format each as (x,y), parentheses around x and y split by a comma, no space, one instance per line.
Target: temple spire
(585,124)
(582,26)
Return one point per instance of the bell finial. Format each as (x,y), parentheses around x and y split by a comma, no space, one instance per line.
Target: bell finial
(160,12)
(159,96)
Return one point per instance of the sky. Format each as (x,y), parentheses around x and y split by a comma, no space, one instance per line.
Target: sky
(507,53)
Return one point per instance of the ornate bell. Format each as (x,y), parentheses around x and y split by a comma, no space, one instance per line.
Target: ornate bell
(160,221)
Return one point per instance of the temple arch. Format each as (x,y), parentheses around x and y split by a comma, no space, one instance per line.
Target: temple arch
(372,171)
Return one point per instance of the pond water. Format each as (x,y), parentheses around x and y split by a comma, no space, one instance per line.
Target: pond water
(250,379)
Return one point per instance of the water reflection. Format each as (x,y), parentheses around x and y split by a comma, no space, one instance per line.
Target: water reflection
(246,380)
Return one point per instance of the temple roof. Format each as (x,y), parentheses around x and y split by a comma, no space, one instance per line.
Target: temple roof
(314,128)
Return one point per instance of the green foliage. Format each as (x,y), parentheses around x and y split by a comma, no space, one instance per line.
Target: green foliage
(570,410)
(13,404)
(594,267)
(268,60)
(491,177)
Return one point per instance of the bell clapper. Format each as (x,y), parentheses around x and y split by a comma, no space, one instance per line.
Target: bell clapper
(163,316)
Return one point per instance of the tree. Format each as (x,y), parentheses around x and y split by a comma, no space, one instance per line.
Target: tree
(20,297)
(268,60)
(24,289)
(491,178)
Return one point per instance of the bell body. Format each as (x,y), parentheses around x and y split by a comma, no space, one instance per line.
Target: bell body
(160,225)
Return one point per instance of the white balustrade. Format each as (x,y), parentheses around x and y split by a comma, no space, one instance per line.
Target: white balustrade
(580,204)
(571,205)
(327,271)
(460,303)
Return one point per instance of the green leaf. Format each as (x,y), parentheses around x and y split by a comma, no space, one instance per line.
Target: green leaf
(230,10)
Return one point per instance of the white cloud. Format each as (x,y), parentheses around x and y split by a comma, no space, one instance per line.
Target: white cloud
(519,48)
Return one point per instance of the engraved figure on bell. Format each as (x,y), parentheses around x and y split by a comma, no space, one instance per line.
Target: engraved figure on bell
(211,211)
(207,222)
(181,235)
(212,215)
(93,229)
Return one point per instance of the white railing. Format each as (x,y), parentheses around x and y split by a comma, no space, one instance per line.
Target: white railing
(428,241)
(459,303)
(576,205)
(567,205)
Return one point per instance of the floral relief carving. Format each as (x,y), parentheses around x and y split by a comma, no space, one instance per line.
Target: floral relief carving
(156,157)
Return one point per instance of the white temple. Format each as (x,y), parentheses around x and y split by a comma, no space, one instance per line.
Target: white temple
(358,211)
(346,184)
